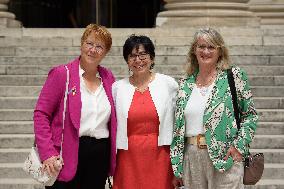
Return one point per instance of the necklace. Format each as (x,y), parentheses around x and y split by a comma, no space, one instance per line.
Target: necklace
(144,86)
(199,84)
(203,87)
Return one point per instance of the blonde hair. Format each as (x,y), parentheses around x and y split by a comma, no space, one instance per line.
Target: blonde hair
(100,31)
(214,38)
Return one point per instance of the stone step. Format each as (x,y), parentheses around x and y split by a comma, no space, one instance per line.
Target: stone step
(119,41)
(33,91)
(124,32)
(18,155)
(19,183)
(268,142)
(118,60)
(14,170)
(271,115)
(176,36)
(38,80)
(23,183)
(266,80)
(263,70)
(265,115)
(26,127)
(20,91)
(16,114)
(176,68)
(267,91)
(16,127)
(271,155)
(270,128)
(18,102)
(16,140)
(248,50)
(26,141)
(267,184)
(26,183)
(273,171)
(267,102)
(13,155)
(30,102)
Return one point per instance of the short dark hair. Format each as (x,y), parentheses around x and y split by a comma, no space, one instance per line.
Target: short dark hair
(134,41)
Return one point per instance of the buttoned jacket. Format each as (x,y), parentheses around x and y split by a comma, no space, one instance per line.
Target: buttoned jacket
(219,122)
(163,92)
(48,115)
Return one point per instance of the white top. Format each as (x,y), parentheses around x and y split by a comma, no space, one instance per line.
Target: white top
(95,112)
(163,91)
(194,110)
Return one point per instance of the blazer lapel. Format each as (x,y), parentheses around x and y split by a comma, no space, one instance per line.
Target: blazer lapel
(185,92)
(218,93)
(74,94)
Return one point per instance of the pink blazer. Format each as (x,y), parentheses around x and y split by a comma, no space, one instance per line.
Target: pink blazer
(48,117)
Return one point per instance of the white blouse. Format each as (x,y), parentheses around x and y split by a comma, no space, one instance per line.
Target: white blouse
(194,111)
(95,112)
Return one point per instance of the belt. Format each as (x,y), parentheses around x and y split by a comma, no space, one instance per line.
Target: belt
(198,140)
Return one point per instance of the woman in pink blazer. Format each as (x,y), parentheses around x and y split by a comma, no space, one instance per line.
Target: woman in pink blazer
(89,148)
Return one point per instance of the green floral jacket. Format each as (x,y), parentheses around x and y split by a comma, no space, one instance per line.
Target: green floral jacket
(219,122)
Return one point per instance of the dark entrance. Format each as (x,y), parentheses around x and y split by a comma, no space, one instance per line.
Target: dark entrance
(76,13)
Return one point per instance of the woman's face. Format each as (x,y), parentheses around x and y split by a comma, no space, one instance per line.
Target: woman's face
(93,50)
(206,54)
(139,61)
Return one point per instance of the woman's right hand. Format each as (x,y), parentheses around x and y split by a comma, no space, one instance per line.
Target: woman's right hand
(177,182)
(52,166)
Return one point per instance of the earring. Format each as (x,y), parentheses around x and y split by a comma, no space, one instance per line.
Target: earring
(152,66)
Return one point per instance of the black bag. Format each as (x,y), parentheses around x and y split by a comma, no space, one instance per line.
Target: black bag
(254,164)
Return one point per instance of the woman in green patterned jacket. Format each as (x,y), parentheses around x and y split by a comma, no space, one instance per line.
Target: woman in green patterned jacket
(207,148)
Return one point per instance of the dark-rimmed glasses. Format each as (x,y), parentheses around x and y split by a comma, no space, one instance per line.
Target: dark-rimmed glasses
(141,56)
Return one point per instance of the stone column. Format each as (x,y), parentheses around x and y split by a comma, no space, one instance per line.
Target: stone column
(7,19)
(197,13)
(271,12)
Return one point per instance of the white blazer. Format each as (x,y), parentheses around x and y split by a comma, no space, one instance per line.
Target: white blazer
(163,91)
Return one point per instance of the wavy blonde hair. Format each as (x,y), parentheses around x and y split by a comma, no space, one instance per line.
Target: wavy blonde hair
(100,31)
(212,37)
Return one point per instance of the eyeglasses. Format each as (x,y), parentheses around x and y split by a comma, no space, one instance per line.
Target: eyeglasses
(210,48)
(141,56)
(99,48)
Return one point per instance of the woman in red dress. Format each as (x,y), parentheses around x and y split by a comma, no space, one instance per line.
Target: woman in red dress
(145,110)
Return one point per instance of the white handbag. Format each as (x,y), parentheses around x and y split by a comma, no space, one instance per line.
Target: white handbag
(33,165)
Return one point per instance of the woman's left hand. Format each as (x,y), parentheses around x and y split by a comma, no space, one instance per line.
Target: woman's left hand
(236,155)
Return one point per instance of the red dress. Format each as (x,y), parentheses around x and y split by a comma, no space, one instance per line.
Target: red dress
(145,165)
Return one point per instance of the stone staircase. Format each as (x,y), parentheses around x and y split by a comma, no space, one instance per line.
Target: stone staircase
(26,55)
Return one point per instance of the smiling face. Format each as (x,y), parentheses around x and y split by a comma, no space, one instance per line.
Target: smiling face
(207,54)
(93,50)
(139,61)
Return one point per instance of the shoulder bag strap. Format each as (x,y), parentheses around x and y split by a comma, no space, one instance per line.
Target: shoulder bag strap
(234,96)
(64,109)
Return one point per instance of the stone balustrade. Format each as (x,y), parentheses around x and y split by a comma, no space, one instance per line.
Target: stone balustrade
(7,19)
